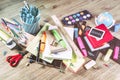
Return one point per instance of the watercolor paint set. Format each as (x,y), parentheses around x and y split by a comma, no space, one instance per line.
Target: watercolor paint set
(76,17)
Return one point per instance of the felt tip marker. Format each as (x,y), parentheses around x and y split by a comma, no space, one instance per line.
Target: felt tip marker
(81,46)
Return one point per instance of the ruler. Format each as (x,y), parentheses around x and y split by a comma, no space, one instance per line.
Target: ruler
(69,40)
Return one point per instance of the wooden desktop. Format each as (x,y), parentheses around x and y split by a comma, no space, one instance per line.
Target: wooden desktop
(60,8)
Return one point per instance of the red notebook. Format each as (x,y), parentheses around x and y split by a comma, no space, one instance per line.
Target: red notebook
(106,37)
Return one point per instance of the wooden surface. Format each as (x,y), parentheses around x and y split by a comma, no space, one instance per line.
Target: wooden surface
(61,8)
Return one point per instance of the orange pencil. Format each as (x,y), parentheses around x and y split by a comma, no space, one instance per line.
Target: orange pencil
(43,40)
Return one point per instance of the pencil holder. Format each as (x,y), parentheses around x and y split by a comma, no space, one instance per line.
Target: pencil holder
(30,17)
(32,28)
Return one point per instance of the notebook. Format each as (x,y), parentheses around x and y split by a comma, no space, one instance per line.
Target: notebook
(107,37)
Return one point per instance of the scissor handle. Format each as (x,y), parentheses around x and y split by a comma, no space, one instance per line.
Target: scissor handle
(9,58)
(14,60)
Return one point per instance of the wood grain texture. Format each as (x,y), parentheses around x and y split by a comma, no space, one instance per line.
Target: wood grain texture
(61,8)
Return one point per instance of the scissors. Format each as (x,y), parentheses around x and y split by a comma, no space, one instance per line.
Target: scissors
(15,59)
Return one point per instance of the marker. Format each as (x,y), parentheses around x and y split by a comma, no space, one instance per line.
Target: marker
(81,46)
(108,54)
(58,38)
(116,52)
(37,58)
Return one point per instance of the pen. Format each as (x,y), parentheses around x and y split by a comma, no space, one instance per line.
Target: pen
(43,40)
(38,54)
(26,5)
(58,38)
(81,46)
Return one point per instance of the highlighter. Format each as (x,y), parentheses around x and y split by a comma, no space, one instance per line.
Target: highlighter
(58,38)
(81,46)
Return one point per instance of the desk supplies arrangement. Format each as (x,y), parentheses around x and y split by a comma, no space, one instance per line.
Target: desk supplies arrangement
(66,50)
(30,17)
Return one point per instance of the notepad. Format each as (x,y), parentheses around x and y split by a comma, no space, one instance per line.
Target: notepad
(54,45)
(67,54)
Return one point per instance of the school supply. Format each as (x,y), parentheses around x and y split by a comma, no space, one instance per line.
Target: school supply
(55,46)
(107,37)
(58,38)
(81,46)
(96,33)
(69,40)
(74,64)
(116,52)
(81,28)
(108,55)
(106,45)
(115,28)
(90,64)
(7,40)
(15,59)
(30,17)
(75,32)
(15,30)
(32,46)
(66,54)
(105,18)
(76,17)
(43,41)
(39,51)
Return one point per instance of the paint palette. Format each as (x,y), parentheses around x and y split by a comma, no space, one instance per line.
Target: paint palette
(77,17)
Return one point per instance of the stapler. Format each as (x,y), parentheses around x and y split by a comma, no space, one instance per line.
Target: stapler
(7,40)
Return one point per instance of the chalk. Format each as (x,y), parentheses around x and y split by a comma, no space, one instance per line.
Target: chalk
(108,54)
(116,52)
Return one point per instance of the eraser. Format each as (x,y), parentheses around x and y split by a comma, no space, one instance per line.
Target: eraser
(108,54)
(116,52)
(90,64)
